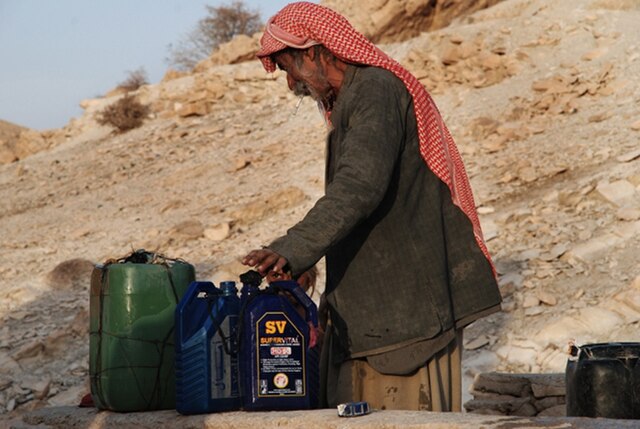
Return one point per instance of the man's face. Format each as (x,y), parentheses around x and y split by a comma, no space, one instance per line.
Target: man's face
(304,78)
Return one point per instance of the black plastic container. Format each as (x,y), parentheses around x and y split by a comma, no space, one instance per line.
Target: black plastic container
(603,380)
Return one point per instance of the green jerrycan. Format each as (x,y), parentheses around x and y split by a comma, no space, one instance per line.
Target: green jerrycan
(131,346)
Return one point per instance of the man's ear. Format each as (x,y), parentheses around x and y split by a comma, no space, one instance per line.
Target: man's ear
(310,53)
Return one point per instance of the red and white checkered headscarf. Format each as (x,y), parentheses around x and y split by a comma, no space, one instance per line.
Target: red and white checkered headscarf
(303,24)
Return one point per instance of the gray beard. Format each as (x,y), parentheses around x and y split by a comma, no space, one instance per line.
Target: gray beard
(301,89)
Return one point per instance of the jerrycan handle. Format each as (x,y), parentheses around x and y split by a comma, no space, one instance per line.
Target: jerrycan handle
(196,290)
(303,299)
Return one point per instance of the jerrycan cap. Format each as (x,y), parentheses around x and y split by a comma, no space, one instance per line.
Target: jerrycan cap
(251,277)
(228,288)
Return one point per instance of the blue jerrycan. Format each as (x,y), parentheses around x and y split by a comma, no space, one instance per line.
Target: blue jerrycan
(279,371)
(206,349)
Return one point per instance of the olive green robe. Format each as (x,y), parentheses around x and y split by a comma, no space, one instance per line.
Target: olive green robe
(404,270)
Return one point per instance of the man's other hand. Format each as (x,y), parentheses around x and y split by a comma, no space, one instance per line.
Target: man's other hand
(265,260)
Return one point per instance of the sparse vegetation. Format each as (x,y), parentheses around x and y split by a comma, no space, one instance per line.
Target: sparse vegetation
(125,114)
(220,25)
(135,79)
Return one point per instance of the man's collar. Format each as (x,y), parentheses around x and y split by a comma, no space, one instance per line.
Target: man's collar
(349,75)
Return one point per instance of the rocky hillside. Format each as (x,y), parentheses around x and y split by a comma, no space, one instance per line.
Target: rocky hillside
(18,142)
(542,97)
(9,132)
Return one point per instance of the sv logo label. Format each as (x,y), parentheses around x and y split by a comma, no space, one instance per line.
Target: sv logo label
(273,326)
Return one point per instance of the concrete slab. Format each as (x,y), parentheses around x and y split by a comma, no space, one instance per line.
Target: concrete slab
(90,418)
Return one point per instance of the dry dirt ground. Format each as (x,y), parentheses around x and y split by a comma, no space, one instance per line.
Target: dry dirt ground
(542,97)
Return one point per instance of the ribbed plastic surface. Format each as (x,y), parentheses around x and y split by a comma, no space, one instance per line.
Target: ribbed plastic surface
(206,351)
(279,370)
(132,306)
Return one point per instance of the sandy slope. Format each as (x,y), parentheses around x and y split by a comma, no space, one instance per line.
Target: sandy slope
(542,97)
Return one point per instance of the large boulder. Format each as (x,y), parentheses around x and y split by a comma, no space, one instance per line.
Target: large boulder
(240,49)
(385,21)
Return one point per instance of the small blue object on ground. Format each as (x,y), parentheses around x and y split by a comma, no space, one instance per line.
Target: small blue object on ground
(353,409)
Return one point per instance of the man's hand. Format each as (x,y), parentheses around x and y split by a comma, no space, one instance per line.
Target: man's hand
(265,260)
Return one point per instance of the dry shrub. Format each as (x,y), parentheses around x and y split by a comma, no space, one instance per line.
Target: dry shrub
(135,79)
(125,114)
(220,25)
(71,274)
(226,21)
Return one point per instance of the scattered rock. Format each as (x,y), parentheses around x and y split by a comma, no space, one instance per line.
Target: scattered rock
(503,384)
(172,74)
(241,163)
(200,108)
(628,231)
(501,406)
(467,64)
(71,396)
(188,230)
(627,305)
(171,205)
(547,298)
(599,117)
(29,350)
(618,193)
(517,394)
(533,311)
(11,404)
(508,306)
(482,210)
(589,322)
(482,361)
(71,274)
(555,411)
(628,213)
(241,48)
(8,366)
(547,385)
(263,207)
(39,386)
(18,315)
(218,232)
(58,342)
(628,157)
(593,249)
(215,89)
(594,54)
(80,323)
(556,252)
(490,229)
(5,383)
(477,343)
(530,300)
(7,155)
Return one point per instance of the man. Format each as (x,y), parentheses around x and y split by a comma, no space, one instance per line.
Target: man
(407,267)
